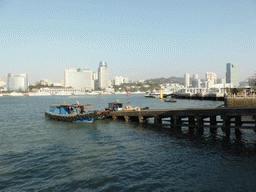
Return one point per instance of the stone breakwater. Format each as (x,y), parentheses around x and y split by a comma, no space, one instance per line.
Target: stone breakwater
(240,101)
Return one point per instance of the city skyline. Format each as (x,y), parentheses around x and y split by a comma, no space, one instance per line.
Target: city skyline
(141,40)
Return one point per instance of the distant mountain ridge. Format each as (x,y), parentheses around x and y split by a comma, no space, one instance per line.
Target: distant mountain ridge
(163,80)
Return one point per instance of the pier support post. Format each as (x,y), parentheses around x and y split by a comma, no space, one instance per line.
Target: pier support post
(226,125)
(141,119)
(191,122)
(199,126)
(176,123)
(127,118)
(254,117)
(214,123)
(238,122)
(157,120)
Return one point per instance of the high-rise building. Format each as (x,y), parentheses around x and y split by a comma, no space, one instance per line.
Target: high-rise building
(211,78)
(232,74)
(126,80)
(94,75)
(186,80)
(103,75)
(17,82)
(195,76)
(78,78)
(119,80)
(221,80)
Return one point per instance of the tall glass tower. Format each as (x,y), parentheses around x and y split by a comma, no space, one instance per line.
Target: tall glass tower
(103,75)
(232,74)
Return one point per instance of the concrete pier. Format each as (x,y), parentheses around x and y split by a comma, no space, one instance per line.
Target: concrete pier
(195,119)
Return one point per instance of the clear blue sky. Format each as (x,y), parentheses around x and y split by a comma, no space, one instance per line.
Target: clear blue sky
(139,39)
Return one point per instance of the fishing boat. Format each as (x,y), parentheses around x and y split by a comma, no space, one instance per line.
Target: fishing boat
(115,106)
(70,113)
(169,100)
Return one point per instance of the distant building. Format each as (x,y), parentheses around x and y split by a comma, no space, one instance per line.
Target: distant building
(119,80)
(46,82)
(195,76)
(232,74)
(211,78)
(103,75)
(186,80)
(196,83)
(221,80)
(78,78)
(126,80)
(94,75)
(17,82)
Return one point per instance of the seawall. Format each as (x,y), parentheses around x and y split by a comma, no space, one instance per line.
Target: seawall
(240,101)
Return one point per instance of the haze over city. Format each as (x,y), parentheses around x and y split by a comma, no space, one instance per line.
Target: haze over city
(139,39)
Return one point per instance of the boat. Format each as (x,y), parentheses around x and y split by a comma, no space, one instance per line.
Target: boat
(115,106)
(16,94)
(38,94)
(76,113)
(63,93)
(169,100)
(78,93)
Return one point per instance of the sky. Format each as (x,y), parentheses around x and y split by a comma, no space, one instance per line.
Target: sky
(139,39)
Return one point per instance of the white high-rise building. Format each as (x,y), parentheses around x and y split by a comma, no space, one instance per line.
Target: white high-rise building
(94,75)
(103,75)
(126,80)
(232,74)
(195,76)
(78,78)
(211,78)
(17,82)
(119,80)
(186,80)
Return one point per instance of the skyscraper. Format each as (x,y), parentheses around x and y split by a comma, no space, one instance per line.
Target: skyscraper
(211,78)
(232,74)
(103,75)
(78,78)
(17,82)
(195,76)
(186,80)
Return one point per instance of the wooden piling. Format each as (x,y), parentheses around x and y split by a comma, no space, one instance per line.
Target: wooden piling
(191,122)
(226,125)
(213,122)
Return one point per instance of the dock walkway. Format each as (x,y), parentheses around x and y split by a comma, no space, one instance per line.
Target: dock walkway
(197,119)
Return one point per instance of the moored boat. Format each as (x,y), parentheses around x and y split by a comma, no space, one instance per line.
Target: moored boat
(70,113)
(169,100)
(115,106)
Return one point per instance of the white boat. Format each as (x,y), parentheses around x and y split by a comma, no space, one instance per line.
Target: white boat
(39,94)
(15,94)
(1,95)
(118,92)
(106,93)
(63,93)
(93,93)
(79,93)
(137,92)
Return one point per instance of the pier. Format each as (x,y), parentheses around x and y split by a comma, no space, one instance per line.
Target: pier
(195,119)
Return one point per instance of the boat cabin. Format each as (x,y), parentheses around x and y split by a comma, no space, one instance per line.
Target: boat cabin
(115,106)
(66,109)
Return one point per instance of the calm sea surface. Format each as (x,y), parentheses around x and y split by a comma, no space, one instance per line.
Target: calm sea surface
(38,154)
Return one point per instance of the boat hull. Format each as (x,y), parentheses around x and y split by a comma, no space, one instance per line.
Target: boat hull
(76,118)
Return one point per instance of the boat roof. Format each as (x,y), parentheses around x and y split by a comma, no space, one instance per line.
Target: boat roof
(71,105)
(116,102)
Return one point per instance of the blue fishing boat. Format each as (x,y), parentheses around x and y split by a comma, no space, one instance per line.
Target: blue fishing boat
(70,113)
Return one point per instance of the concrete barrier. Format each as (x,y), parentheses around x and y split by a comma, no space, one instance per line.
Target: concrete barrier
(240,101)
